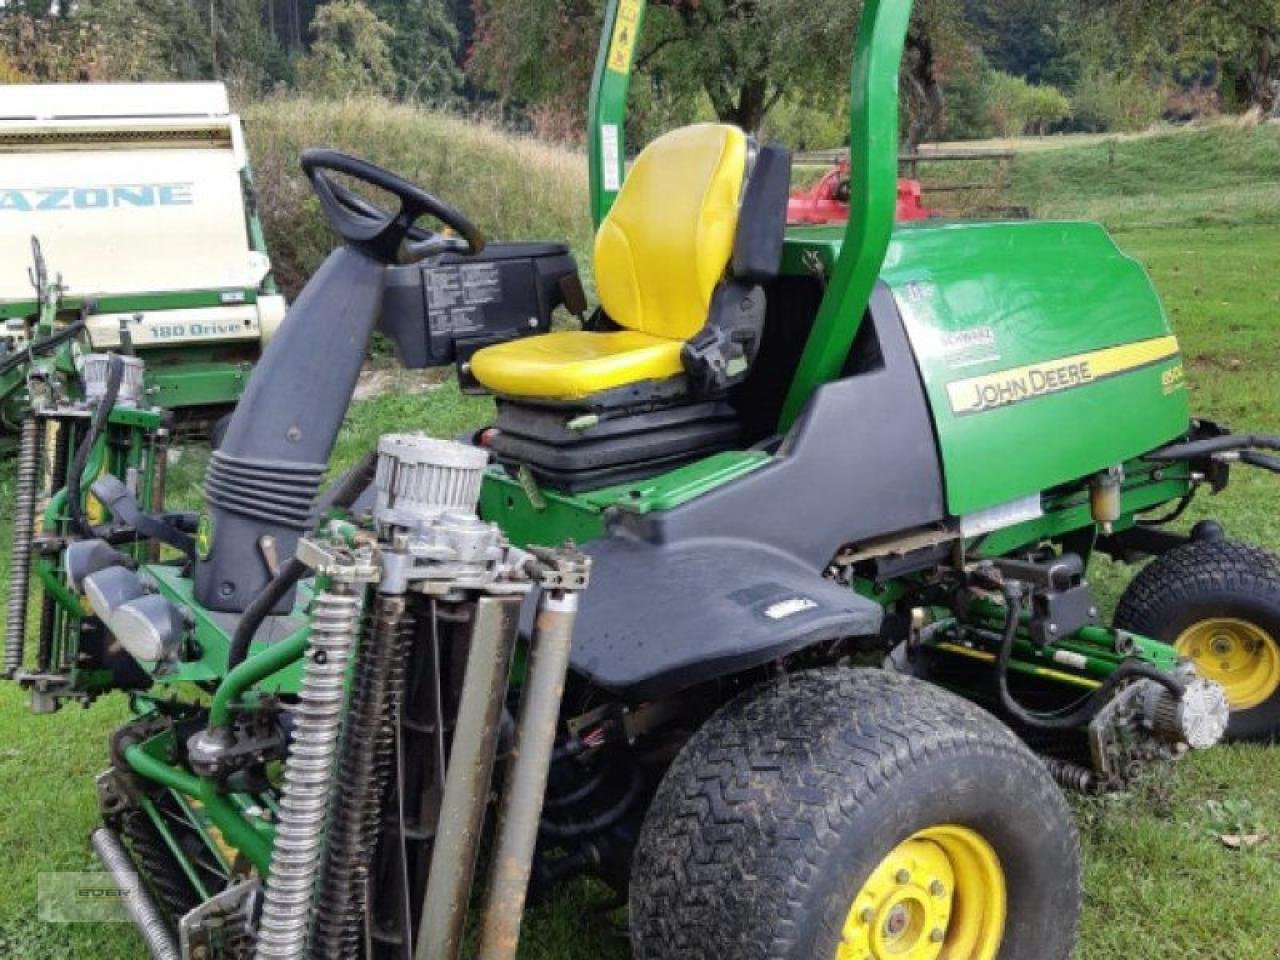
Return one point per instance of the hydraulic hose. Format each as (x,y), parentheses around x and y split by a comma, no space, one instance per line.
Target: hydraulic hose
(347,489)
(1196,449)
(75,478)
(1087,708)
(258,609)
(1253,458)
(40,347)
(343,494)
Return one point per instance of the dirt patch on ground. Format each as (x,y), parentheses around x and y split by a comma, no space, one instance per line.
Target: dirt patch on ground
(381,378)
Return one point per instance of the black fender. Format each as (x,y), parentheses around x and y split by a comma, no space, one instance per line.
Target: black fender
(733,578)
(660,618)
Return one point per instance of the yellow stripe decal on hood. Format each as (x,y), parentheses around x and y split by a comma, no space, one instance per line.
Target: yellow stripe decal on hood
(1007,387)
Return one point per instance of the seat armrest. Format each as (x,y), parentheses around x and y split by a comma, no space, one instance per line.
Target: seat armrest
(720,355)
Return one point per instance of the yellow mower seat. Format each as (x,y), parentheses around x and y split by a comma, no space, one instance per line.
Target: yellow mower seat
(659,256)
(574,364)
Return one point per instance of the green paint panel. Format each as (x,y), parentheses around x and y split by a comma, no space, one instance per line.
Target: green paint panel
(136,302)
(1142,492)
(991,300)
(559,517)
(196,384)
(213,635)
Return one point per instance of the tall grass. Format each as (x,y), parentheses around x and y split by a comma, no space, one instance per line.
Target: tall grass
(1225,176)
(512,187)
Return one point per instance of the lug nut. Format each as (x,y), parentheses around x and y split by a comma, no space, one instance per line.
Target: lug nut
(937,889)
(868,915)
(903,877)
(937,936)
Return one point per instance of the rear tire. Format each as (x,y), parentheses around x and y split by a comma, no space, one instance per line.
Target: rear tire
(807,818)
(1218,603)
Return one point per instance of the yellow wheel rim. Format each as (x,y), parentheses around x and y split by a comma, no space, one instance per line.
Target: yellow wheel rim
(939,895)
(1243,658)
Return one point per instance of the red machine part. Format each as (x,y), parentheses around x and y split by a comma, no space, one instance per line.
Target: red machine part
(827,201)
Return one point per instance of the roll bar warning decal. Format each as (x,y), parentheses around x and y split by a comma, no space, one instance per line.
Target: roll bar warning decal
(623,44)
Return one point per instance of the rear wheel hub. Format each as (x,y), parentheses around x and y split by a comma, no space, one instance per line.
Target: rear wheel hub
(1241,657)
(940,893)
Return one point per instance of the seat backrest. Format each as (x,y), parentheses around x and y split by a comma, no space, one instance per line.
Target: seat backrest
(669,237)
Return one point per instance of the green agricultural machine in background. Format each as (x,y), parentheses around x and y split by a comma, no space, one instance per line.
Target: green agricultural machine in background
(139,198)
(764,599)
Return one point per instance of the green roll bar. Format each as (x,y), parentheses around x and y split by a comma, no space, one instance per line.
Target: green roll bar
(873,126)
(607,110)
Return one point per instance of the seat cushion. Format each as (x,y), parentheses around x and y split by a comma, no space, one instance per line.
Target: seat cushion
(575,364)
(667,240)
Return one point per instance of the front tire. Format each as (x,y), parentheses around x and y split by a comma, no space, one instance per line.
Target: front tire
(1218,603)
(846,814)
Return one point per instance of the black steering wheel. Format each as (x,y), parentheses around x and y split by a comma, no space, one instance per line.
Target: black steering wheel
(392,238)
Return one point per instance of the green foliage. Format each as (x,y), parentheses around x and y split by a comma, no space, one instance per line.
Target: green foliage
(1242,37)
(512,188)
(350,53)
(150,39)
(424,48)
(968,115)
(805,125)
(1016,107)
(741,58)
(10,73)
(1028,38)
(50,50)
(1118,101)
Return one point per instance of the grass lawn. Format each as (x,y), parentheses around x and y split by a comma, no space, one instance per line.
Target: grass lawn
(1203,213)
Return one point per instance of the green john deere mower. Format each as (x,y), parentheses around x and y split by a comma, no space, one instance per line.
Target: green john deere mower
(764,599)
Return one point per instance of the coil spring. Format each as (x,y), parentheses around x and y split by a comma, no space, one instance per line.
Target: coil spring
(1072,776)
(24,513)
(308,779)
(136,900)
(364,769)
(49,606)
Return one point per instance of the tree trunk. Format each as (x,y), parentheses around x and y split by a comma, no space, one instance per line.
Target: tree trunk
(745,107)
(1267,83)
(926,117)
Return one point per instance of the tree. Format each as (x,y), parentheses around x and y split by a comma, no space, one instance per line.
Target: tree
(149,39)
(1027,38)
(8,72)
(424,48)
(350,52)
(1017,107)
(1241,36)
(743,56)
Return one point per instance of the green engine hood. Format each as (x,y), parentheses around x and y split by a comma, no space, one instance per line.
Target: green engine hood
(1045,352)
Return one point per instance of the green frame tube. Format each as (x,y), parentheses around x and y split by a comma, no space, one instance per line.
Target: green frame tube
(252,839)
(254,670)
(873,152)
(607,109)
